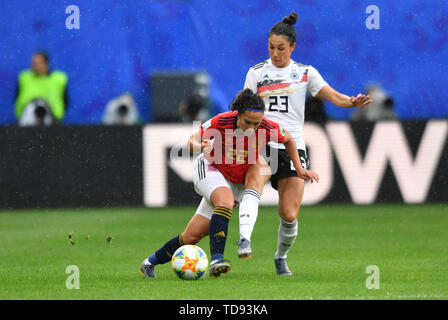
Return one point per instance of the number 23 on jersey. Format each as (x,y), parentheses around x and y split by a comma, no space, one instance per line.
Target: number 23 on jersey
(278,103)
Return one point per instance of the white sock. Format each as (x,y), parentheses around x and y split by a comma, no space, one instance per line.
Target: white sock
(287,234)
(248,212)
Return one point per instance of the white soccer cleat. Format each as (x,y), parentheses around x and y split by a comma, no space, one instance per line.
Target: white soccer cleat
(282,268)
(244,250)
(148,270)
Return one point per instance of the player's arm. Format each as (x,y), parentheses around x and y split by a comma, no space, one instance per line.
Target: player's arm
(291,149)
(196,144)
(342,100)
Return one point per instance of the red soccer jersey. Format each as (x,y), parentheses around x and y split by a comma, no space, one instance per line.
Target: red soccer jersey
(233,152)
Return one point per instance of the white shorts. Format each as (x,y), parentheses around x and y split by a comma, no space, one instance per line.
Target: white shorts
(206,179)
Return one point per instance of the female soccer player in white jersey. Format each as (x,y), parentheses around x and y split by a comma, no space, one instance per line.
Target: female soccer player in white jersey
(283,84)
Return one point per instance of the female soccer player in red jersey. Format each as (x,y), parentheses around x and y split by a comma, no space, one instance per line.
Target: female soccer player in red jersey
(231,143)
(283,84)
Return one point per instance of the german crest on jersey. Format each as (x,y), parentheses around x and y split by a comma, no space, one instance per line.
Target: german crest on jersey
(294,76)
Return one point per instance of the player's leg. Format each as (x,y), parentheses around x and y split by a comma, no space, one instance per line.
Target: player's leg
(290,192)
(290,189)
(196,229)
(256,177)
(217,190)
(223,201)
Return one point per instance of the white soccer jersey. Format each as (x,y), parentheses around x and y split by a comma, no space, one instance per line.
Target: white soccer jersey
(284,93)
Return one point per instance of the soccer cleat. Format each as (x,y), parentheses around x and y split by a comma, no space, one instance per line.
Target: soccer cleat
(148,270)
(282,268)
(218,267)
(244,250)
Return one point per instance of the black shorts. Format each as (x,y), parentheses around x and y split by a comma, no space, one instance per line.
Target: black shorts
(281,165)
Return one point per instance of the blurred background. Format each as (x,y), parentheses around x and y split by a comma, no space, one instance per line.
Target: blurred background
(124,46)
(133,64)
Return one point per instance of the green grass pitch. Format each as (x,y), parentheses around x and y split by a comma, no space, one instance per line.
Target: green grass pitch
(408,243)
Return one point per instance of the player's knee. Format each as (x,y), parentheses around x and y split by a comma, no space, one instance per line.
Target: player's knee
(289,211)
(222,197)
(289,216)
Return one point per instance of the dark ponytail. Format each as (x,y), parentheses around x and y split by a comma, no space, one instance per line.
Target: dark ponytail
(286,28)
(247,100)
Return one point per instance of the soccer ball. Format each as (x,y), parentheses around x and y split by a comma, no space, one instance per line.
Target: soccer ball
(189,262)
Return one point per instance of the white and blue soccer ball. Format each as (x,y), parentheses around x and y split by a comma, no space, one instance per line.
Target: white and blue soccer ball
(189,262)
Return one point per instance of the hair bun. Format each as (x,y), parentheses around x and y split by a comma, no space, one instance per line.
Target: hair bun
(291,19)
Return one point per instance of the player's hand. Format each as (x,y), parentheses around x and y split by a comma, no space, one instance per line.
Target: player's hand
(361,100)
(308,175)
(206,146)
